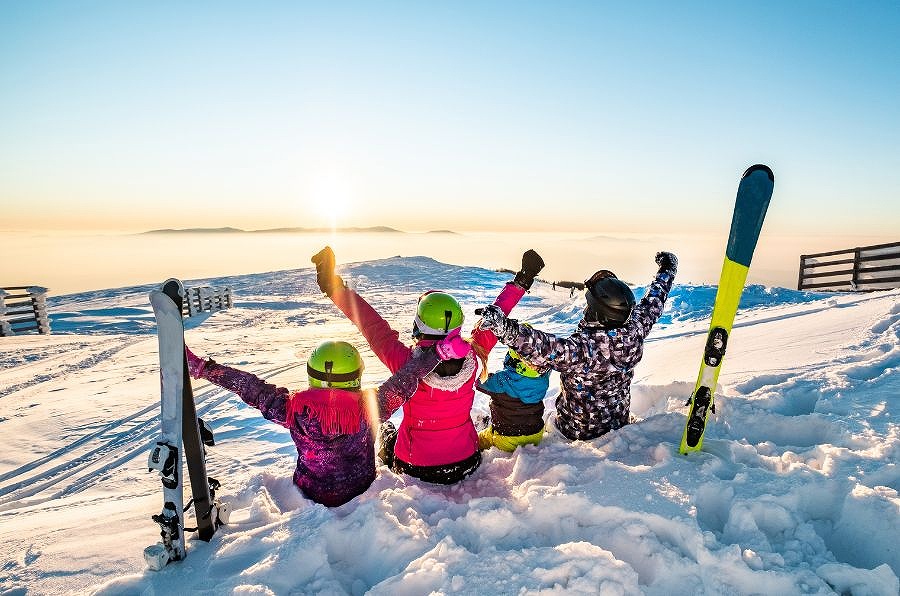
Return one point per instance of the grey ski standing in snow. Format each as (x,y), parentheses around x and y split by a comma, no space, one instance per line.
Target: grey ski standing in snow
(596,363)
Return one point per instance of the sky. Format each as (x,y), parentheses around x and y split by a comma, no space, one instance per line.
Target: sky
(491,116)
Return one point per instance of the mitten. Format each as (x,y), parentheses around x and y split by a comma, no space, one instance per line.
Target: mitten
(196,364)
(532,263)
(453,346)
(326,278)
(667,261)
(492,318)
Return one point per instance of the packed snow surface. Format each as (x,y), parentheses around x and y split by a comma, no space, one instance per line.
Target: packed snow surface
(795,492)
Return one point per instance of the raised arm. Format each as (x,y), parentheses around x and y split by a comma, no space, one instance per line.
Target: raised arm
(383,340)
(512,292)
(540,349)
(508,298)
(267,398)
(647,312)
(401,386)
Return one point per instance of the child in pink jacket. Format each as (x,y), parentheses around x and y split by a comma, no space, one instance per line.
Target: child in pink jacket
(436,441)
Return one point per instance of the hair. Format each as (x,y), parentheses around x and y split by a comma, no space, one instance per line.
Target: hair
(482,353)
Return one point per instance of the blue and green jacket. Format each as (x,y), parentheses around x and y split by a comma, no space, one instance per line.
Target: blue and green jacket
(517,402)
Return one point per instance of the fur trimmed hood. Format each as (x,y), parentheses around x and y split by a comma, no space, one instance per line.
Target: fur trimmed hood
(454,382)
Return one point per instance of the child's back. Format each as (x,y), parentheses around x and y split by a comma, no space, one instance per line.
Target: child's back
(517,404)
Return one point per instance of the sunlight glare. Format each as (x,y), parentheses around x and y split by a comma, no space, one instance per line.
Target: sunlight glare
(332,198)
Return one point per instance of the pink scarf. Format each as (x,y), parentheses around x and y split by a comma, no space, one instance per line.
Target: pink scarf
(338,411)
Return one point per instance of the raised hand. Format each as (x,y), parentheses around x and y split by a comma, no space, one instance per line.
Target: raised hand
(324,259)
(196,364)
(532,263)
(326,278)
(667,261)
(492,318)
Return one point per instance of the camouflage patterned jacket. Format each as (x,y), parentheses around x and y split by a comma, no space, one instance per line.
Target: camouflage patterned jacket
(595,365)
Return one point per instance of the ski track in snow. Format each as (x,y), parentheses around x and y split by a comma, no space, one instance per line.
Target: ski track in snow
(796,490)
(86,461)
(66,368)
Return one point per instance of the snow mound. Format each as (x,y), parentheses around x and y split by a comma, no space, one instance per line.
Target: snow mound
(795,492)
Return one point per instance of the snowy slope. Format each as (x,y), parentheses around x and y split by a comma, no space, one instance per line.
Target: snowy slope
(796,490)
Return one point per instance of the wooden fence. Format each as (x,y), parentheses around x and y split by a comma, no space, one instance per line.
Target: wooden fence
(206,299)
(23,309)
(860,269)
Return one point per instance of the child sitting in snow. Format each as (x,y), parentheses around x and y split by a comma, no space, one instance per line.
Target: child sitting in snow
(595,363)
(329,422)
(436,440)
(333,423)
(517,404)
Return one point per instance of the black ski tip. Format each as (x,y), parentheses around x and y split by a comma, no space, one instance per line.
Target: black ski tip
(759,167)
(174,289)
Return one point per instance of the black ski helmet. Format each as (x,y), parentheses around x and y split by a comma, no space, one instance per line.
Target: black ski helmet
(609,300)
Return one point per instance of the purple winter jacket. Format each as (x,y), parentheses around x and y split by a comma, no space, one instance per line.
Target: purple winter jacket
(335,442)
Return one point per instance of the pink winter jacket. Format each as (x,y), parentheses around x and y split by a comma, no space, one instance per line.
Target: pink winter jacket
(437,428)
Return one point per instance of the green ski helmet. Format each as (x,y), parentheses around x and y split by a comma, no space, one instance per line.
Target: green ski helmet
(436,315)
(335,364)
(514,361)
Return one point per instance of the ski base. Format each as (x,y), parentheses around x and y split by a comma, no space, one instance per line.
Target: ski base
(183,440)
(754,194)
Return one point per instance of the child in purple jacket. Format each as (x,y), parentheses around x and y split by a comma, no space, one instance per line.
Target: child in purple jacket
(334,422)
(330,422)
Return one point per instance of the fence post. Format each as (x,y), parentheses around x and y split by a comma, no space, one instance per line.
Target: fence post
(854,281)
(5,329)
(191,296)
(206,299)
(800,274)
(39,304)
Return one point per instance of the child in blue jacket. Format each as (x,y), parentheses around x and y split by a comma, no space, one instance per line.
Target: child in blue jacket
(517,404)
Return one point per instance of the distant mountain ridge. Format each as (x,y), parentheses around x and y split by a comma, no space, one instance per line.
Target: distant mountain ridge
(230,230)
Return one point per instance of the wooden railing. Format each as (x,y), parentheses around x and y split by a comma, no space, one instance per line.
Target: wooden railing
(206,299)
(23,309)
(860,269)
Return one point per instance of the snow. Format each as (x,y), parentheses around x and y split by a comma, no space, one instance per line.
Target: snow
(795,492)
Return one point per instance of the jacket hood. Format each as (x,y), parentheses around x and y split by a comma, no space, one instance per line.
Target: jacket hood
(529,390)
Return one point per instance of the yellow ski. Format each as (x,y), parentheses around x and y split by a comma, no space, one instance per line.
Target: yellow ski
(754,193)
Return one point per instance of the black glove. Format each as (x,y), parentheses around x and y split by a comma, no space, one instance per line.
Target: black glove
(667,261)
(326,278)
(532,263)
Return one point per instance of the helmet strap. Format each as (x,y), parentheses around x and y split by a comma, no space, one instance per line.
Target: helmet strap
(329,376)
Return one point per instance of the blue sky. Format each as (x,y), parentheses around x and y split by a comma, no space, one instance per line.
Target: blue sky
(485,115)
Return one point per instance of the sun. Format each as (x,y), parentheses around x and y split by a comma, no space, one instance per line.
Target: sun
(332,199)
